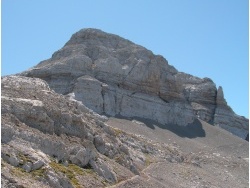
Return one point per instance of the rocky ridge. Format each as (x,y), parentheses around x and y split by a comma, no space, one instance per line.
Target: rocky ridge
(114,76)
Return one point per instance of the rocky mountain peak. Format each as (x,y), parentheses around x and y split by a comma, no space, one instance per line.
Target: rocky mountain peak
(129,80)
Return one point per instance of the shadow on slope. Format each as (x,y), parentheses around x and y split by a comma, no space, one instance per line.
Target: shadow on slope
(192,130)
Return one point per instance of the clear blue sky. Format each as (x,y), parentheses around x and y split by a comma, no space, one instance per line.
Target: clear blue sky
(205,38)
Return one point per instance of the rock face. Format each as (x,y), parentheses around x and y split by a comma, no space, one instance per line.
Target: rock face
(52,140)
(225,117)
(49,139)
(114,76)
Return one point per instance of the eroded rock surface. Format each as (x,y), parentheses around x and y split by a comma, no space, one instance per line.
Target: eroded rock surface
(52,140)
(55,141)
(114,76)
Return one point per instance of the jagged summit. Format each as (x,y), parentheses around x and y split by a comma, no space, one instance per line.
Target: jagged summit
(114,76)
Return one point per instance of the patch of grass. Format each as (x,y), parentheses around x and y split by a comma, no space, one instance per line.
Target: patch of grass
(39,172)
(19,172)
(71,171)
(76,169)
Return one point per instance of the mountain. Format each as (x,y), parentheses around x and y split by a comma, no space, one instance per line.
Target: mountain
(105,112)
(114,76)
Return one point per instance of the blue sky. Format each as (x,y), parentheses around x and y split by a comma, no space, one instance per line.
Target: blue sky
(207,38)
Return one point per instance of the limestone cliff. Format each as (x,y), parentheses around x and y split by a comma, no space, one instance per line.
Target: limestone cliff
(114,76)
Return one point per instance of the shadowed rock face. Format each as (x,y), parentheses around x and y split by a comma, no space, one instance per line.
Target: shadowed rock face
(114,76)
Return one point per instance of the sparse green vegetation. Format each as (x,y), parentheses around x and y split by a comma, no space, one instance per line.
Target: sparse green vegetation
(71,172)
(65,170)
(38,173)
(17,171)
(76,169)
(24,158)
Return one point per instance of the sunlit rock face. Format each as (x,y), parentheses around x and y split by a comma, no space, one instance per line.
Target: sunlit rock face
(114,76)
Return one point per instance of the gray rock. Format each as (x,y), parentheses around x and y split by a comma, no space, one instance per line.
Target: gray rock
(89,91)
(104,170)
(27,166)
(99,144)
(225,117)
(220,100)
(57,181)
(13,160)
(38,164)
(84,155)
(114,76)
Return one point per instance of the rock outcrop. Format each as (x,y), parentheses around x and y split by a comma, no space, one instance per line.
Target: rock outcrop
(225,118)
(54,141)
(51,140)
(114,76)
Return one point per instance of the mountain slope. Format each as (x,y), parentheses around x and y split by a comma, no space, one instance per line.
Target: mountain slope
(54,141)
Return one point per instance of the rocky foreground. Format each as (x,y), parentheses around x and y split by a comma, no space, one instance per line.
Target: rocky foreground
(105,112)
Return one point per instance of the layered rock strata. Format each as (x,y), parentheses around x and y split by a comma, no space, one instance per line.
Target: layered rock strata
(54,141)
(114,76)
